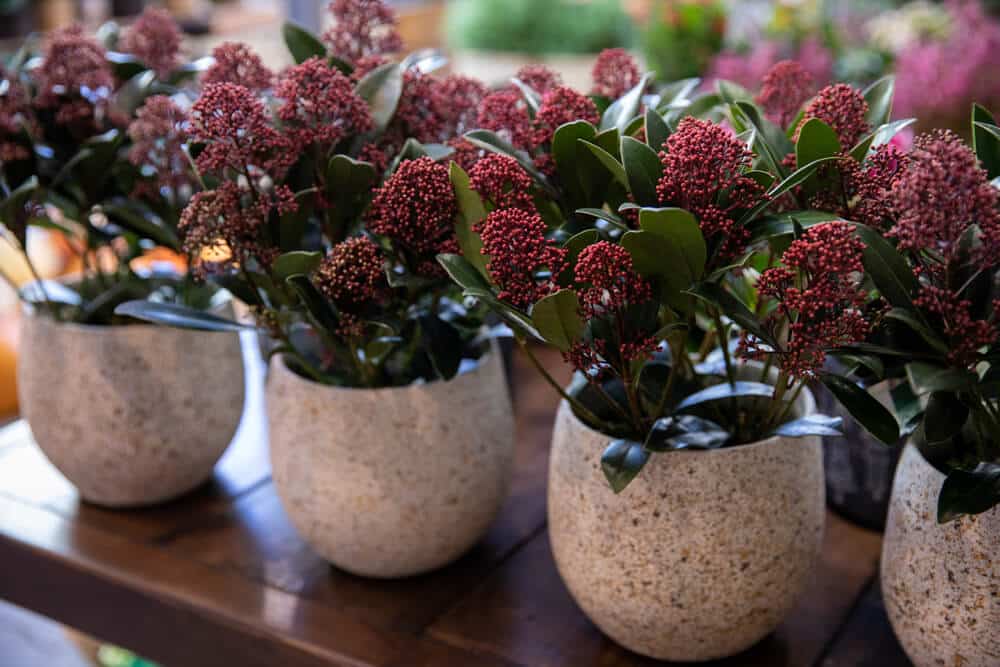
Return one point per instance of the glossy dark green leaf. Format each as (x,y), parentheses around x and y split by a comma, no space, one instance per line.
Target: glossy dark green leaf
(680,229)
(986,140)
(319,308)
(879,136)
(685,432)
(622,111)
(443,344)
(780,224)
(865,408)
(381,89)
(969,492)
(657,130)
(490,141)
(817,140)
(621,462)
(739,389)
(944,416)
(730,306)
(772,142)
(576,174)
(643,170)
(908,407)
(294,263)
(607,216)
(174,315)
(470,213)
(519,322)
(557,318)
(810,425)
(131,94)
(651,382)
(912,320)
(463,272)
(143,224)
(610,162)
(301,43)
(888,269)
(926,377)
(879,98)
(732,92)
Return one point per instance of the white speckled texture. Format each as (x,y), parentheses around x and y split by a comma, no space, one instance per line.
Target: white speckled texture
(132,415)
(941,583)
(702,555)
(391,482)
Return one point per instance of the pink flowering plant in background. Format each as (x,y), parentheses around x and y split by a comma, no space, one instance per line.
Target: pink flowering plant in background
(92,135)
(663,255)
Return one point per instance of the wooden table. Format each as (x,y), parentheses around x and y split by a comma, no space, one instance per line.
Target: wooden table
(221,578)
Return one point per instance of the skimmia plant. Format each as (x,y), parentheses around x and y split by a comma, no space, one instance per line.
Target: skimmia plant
(664,256)
(326,199)
(90,144)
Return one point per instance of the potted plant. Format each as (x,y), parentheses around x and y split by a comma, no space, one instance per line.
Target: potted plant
(934,260)
(390,425)
(654,252)
(120,408)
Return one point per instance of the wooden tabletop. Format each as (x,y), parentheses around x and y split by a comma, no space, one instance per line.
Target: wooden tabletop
(221,578)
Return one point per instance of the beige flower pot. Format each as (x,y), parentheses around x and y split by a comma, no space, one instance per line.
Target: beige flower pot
(391,482)
(702,555)
(941,583)
(132,415)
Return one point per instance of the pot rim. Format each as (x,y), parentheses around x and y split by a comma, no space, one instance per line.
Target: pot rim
(278,364)
(806,401)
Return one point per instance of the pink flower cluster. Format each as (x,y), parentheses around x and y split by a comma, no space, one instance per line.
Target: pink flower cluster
(966,335)
(514,240)
(158,135)
(615,73)
(703,164)
(942,192)
(502,182)
(819,298)
(416,210)
(352,273)
(843,108)
(748,69)
(362,28)
(15,115)
(155,39)
(320,105)
(236,63)
(75,81)
(783,91)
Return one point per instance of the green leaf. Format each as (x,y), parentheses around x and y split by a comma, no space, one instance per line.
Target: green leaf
(470,213)
(681,432)
(463,272)
(607,216)
(652,383)
(944,417)
(316,304)
(914,322)
(443,344)
(348,185)
(888,269)
(810,425)
(730,306)
(142,223)
(780,224)
(174,315)
(725,390)
(12,208)
(531,96)
(621,112)
(865,408)
(131,94)
(294,263)
(643,170)
(881,135)
(381,89)
(680,229)
(986,140)
(926,378)
(301,43)
(969,492)
(732,92)
(879,98)
(557,318)
(621,462)
(657,130)
(575,168)
(490,141)
(609,161)
(772,141)
(817,140)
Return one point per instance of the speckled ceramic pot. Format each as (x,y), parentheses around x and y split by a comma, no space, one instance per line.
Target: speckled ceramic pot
(702,555)
(941,583)
(132,415)
(391,482)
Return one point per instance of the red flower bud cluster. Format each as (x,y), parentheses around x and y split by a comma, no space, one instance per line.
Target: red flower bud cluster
(15,115)
(75,80)
(416,210)
(559,106)
(942,192)
(843,108)
(231,121)
(155,40)
(320,105)
(352,273)
(237,63)
(506,113)
(703,165)
(539,78)
(965,334)
(607,280)
(500,180)
(466,153)
(819,298)
(362,28)
(784,89)
(514,240)
(158,134)
(615,73)
(433,110)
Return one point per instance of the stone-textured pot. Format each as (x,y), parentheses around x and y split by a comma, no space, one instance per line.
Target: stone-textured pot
(702,555)
(391,482)
(132,415)
(859,467)
(941,583)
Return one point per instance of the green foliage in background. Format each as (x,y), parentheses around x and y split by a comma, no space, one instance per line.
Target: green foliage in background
(11,6)
(680,38)
(537,26)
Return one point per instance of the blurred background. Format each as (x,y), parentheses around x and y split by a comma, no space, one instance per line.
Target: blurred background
(940,53)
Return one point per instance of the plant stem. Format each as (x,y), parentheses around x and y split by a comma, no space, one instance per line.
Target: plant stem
(555,385)
(724,345)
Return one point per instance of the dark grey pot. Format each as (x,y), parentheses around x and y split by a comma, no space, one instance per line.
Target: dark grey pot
(127,7)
